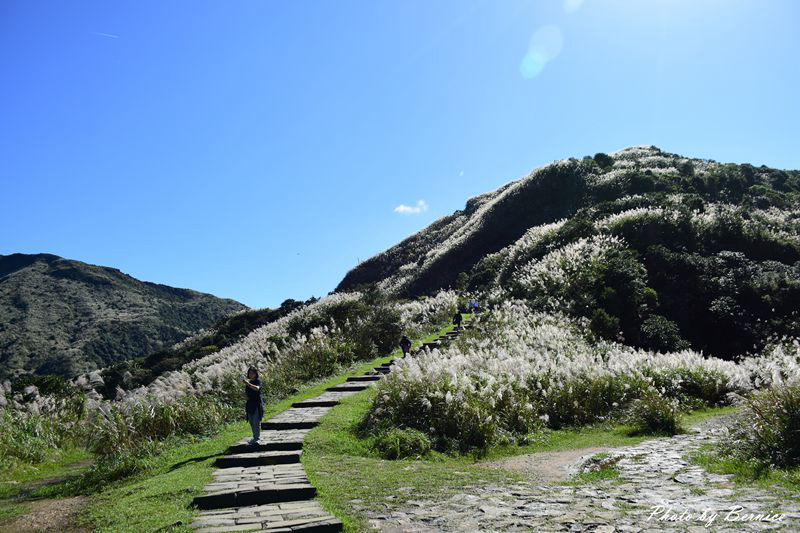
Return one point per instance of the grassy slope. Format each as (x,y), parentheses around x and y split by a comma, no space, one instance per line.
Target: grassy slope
(161,497)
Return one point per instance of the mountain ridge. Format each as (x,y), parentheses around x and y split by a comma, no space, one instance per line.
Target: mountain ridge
(67,317)
(671,219)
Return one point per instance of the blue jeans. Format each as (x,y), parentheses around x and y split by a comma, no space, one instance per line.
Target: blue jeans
(255,423)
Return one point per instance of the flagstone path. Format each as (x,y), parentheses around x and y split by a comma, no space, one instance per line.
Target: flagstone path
(263,487)
(658,489)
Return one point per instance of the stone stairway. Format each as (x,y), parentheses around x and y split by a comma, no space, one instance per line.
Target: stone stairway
(263,487)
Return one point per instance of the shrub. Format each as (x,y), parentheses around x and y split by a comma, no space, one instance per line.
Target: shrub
(397,443)
(661,334)
(603,160)
(653,414)
(604,325)
(686,169)
(768,431)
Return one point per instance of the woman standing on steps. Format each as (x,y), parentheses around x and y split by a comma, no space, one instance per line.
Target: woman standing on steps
(405,345)
(255,404)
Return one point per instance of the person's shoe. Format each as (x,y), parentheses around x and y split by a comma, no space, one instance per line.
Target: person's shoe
(252,442)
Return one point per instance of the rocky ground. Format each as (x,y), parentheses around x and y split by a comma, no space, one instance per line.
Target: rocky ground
(657,489)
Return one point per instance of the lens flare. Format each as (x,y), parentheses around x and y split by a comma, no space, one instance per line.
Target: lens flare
(571,6)
(545,45)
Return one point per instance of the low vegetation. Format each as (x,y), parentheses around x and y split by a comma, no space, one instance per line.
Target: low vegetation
(519,371)
(763,443)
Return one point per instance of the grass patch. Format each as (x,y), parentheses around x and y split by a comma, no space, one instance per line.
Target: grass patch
(595,476)
(9,511)
(699,416)
(606,435)
(20,480)
(750,474)
(602,467)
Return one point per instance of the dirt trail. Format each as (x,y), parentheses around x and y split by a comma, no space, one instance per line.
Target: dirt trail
(547,467)
(48,515)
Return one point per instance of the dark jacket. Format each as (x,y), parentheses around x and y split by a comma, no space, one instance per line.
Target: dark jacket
(405,344)
(254,400)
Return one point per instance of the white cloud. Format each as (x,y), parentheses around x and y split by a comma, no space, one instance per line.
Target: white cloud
(109,35)
(404,209)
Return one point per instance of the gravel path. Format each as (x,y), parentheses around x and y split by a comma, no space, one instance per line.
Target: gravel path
(657,490)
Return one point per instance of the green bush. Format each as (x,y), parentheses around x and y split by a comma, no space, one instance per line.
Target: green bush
(604,325)
(662,335)
(653,414)
(397,443)
(768,430)
(603,160)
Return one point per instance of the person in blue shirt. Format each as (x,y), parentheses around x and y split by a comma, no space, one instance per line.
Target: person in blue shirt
(254,409)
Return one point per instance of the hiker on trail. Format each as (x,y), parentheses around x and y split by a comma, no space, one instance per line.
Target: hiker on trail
(255,403)
(405,345)
(457,319)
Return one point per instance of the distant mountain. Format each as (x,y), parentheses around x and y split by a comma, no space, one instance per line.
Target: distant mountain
(66,317)
(658,249)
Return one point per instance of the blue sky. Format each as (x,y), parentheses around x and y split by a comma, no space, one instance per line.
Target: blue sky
(257,150)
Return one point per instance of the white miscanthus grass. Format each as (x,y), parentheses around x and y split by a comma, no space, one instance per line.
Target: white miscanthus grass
(523,363)
(428,310)
(553,272)
(640,213)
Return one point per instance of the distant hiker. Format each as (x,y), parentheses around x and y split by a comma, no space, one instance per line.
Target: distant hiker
(405,345)
(457,319)
(255,403)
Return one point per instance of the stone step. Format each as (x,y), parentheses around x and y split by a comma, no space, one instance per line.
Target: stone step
(296,418)
(305,404)
(256,495)
(380,370)
(354,379)
(349,387)
(243,486)
(272,441)
(326,399)
(302,516)
(258,458)
(271,425)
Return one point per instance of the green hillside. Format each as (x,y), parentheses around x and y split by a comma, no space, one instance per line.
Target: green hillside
(65,317)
